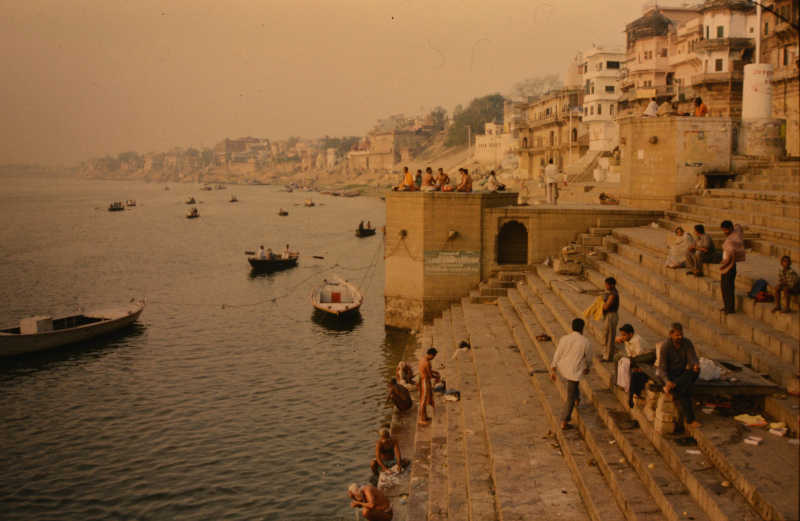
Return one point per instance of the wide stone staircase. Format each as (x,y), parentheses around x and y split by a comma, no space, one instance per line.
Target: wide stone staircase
(498,454)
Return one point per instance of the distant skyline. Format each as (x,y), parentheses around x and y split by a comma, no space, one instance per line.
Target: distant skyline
(82,79)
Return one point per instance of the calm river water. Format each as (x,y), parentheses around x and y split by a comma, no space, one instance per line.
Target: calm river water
(227,400)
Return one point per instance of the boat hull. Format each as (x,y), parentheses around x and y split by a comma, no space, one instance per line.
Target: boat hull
(111,320)
(273,264)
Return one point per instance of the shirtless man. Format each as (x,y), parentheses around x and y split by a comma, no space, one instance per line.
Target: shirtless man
(466,182)
(387,454)
(425,387)
(399,396)
(427,181)
(375,505)
(404,373)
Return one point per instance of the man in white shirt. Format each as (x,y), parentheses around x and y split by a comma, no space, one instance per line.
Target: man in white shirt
(573,359)
(637,349)
(550,180)
(286,253)
(652,109)
(261,253)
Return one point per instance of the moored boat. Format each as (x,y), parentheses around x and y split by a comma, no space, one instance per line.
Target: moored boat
(130,202)
(42,332)
(309,202)
(116,207)
(274,263)
(336,296)
(365,232)
(283,213)
(190,200)
(234,199)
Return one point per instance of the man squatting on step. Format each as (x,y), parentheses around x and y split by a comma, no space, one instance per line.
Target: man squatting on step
(387,454)
(610,318)
(375,505)
(399,395)
(676,355)
(573,359)
(425,387)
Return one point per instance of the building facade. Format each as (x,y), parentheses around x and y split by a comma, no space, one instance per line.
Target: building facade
(601,66)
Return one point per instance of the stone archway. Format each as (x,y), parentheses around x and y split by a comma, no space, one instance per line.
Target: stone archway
(512,243)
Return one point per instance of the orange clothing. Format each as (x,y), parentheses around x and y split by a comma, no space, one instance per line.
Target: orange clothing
(408,182)
(701,110)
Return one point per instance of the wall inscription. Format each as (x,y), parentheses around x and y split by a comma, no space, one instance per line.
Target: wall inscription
(443,263)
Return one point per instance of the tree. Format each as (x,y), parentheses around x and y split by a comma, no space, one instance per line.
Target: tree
(439,117)
(130,157)
(191,152)
(472,119)
(535,87)
(292,141)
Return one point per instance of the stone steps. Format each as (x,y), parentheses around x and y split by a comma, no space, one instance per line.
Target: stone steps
(755,185)
(639,279)
(773,196)
(789,211)
(744,217)
(754,479)
(438,478)
(778,236)
(665,472)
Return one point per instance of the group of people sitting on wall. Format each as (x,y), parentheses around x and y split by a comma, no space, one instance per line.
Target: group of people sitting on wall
(427,182)
(668,108)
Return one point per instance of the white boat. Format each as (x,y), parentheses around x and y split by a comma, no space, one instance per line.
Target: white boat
(336,297)
(43,332)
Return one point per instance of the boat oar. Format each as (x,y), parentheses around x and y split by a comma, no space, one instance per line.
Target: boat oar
(249,253)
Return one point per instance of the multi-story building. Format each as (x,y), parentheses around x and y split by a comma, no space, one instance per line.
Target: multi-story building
(383,150)
(601,66)
(779,47)
(552,129)
(683,59)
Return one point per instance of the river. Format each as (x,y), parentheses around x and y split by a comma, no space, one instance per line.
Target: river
(228,399)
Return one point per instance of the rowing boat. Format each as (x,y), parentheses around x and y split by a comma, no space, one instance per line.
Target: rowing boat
(44,332)
(336,296)
(275,263)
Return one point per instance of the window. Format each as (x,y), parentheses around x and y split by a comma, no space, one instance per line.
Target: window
(664,53)
(599,66)
(766,28)
(647,83)
(611,109)
(648,55)
(612,65)
(708,28)
(599,110)
(592,87)
(591,110)
(610,89)
(718,65)
(720,31)
(785,60)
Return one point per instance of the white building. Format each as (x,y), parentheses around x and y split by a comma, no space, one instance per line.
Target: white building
(600,67)
(492,146)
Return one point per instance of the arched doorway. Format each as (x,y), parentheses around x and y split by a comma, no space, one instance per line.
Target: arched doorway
(512,244)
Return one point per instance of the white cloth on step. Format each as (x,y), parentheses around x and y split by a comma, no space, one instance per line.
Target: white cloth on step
(624,373)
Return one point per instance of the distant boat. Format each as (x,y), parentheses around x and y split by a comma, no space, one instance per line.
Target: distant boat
(207,188)
(233,199)
(309,202)
(116,207)
(365,232)
(190,201)
(221,187)
(275,263)
(40,333)
(336,297)
(130,202)
(192,214)
(283,213)
(349,193)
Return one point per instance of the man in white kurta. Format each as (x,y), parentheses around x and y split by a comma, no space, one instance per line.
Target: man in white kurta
(550,182)
(573,359)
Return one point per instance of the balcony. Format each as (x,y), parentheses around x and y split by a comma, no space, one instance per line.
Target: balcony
(717,77)
(724,43)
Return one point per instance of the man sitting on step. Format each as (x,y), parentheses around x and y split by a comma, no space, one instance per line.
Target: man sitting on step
(679,368)
(700,252)
(573,359)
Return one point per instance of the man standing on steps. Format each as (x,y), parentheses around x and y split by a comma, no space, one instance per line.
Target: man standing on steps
(573,359)
(425,386)
(551,182)
(610,318)
(676,356)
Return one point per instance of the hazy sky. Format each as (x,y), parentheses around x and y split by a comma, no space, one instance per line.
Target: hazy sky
(80,79)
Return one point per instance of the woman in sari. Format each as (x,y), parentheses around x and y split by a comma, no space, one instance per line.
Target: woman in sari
(677,250)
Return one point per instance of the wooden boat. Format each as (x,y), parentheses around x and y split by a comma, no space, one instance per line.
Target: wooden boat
(192,214)
(275,263)
(116,207)
(40,333)
(283,213)
(309,202)
(336,297)
(365,232)
(130,202)
(190,201)
(233,199)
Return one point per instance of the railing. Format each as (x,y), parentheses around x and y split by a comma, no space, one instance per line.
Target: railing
(717,77)
(717,43)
